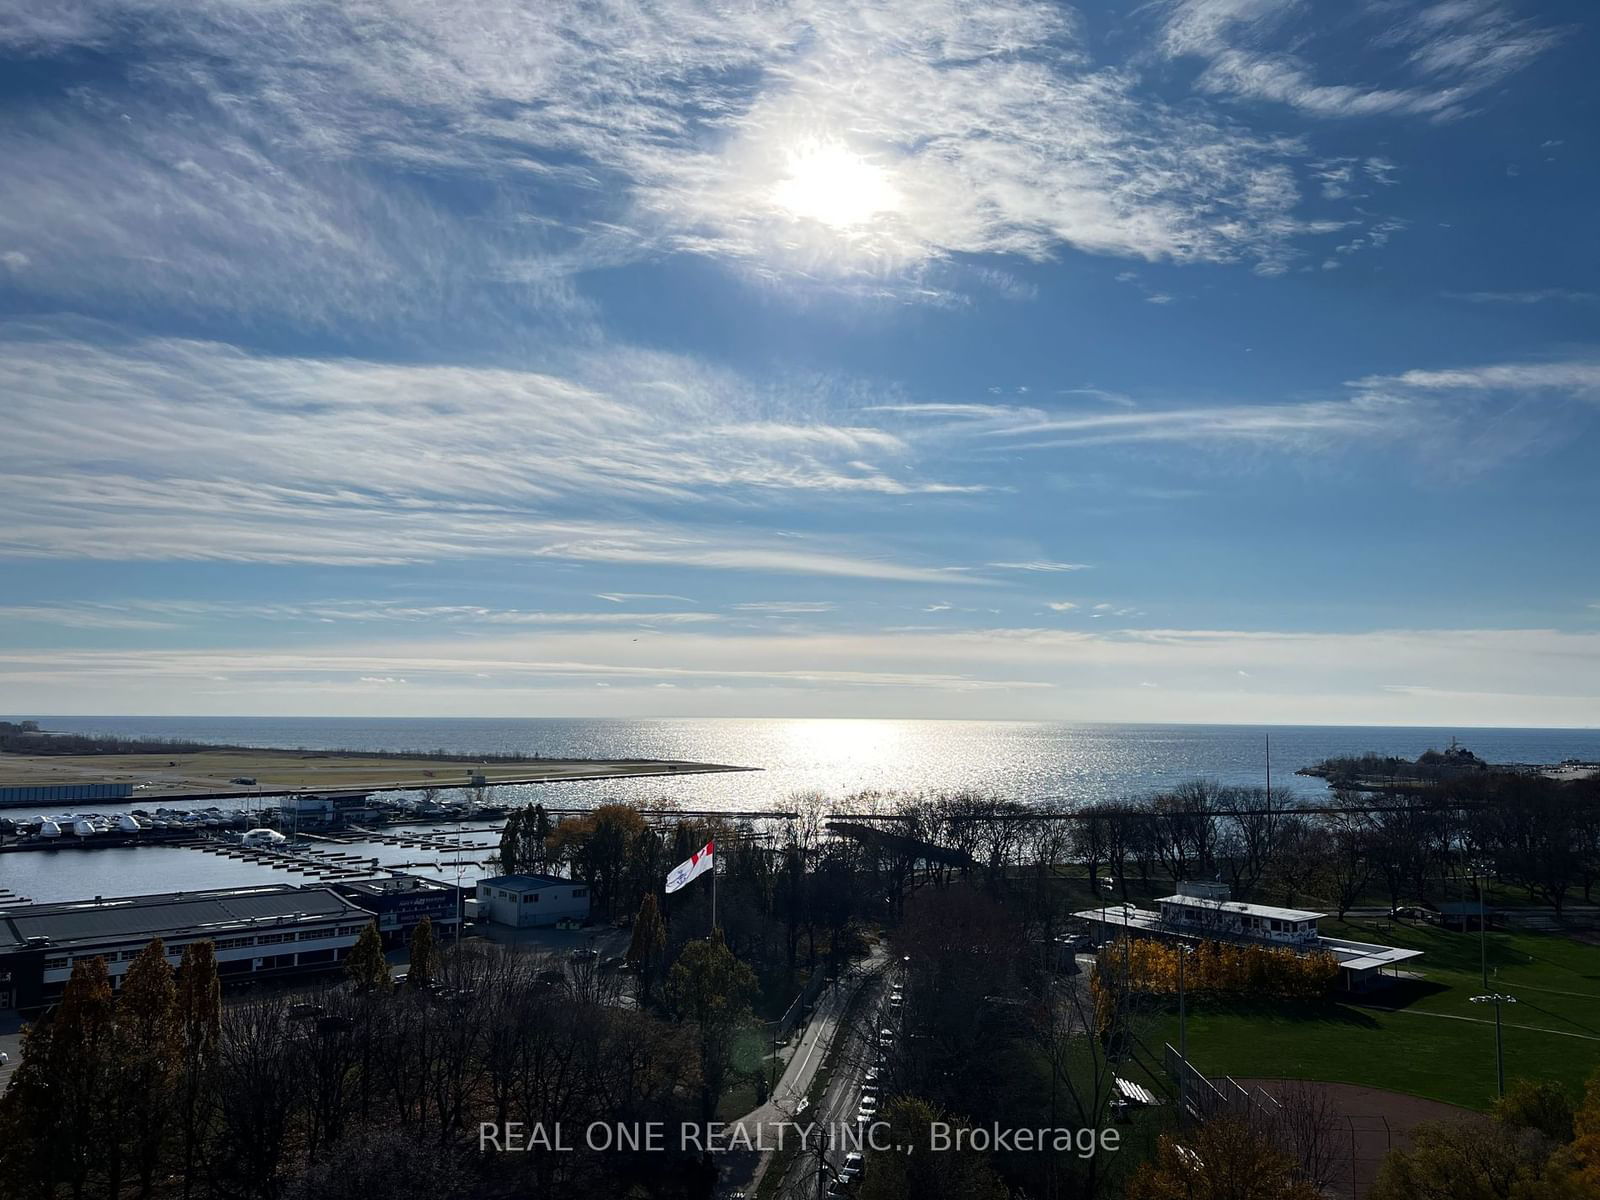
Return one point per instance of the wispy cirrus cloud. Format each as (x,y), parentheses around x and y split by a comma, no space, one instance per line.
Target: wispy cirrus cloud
(786,607)
(1438,54)
(1532,296)
(578,136)
(1404,676)
(1574,378)
(1045,565)
(341,460)
(168,614)
(79,616)
(1478,414)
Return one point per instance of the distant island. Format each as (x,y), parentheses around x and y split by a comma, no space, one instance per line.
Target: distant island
(1375,772)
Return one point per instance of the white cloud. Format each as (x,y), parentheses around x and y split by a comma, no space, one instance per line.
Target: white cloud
(1060,605)
(602,133)
(169,614)
(1435,55)
(74,616)
(1577,378)
(1040,565)
(1460,419)
(1536,296)
(181,449)
(786,607)
(1463,676)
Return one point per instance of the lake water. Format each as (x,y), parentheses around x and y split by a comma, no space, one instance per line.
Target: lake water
(1021,760)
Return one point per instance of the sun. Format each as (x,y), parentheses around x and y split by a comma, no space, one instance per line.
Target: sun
(829,183)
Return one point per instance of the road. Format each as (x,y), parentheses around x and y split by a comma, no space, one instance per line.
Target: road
(768,1126)
(807,1178)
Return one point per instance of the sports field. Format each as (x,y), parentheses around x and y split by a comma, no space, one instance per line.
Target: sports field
(1423,1036)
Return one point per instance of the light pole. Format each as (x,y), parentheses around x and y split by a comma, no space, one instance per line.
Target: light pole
(1483,937)
(1497,999)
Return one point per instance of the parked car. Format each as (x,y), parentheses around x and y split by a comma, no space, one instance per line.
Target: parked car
(584,955)
(617,962)
(551,975)
(304,1012)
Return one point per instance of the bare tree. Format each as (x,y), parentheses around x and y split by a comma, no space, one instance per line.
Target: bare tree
(1307,1129)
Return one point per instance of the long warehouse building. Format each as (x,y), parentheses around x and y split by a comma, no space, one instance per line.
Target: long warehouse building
(259,932)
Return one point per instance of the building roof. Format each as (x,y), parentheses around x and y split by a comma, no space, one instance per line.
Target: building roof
(527,883)
(1361,955)
(1240,907)
(1358,956)
(392,885)
(129,918)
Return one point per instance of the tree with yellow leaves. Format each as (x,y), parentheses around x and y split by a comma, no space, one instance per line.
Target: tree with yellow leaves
(1221,1160)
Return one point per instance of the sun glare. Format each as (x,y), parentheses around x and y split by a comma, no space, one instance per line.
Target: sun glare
(827,182)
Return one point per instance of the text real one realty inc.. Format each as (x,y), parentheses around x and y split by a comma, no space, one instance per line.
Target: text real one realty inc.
(721,1137)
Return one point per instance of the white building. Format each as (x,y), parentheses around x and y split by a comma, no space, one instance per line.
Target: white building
(1203,912)
(322,810)
(524,900)
(1219,917)
(256,932)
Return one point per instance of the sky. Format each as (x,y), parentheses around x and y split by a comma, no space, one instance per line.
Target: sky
(1188,360)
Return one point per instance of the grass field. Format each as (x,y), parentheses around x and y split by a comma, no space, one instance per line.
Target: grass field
(1422,1036)
(177,775)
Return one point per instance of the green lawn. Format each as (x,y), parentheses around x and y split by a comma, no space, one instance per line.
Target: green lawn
(1423,1046)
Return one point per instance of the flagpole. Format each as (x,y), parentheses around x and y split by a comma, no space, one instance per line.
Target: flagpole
(713,893)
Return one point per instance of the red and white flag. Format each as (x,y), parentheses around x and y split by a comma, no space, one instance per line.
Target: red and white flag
(691,868)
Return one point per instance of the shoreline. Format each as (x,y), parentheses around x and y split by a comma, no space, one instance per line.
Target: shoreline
(211,775)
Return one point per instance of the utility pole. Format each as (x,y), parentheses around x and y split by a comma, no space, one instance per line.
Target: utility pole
(1483,936)
(1497,1000)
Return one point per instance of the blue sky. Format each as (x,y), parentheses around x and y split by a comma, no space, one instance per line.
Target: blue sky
(1205,360)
